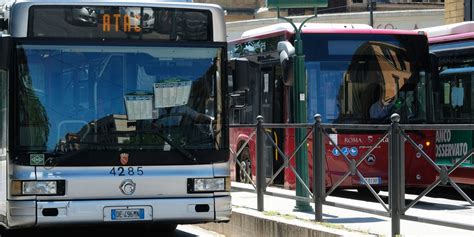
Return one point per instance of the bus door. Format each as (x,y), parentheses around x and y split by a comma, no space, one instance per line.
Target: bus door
(266,110)
(271,112)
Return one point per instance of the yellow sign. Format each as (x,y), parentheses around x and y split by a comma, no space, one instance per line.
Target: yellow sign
(120,22)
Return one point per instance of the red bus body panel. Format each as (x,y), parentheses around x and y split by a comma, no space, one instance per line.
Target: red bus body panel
(418,172)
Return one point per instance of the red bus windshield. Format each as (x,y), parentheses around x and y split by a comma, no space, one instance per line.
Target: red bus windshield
(364,78)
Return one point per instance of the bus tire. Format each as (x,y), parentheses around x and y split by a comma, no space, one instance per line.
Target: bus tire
(245,164)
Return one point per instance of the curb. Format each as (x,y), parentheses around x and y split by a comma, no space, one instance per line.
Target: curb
(249,222)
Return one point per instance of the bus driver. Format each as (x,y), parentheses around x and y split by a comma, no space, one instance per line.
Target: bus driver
(381,108)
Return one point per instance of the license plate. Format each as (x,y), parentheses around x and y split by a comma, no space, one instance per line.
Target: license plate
(372,180)
(127,214)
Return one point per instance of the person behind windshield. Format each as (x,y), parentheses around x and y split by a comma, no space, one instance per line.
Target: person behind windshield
(381,108)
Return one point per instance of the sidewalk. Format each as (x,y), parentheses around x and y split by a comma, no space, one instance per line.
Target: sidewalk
(279,218)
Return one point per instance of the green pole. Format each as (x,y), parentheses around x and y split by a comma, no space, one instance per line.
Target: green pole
(299,92)
(300,117)
(300,102)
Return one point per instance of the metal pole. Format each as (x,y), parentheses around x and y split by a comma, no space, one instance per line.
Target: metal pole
(371,10)
(260,164)
(395,169)
(300,117)
(319,184)
(300,114)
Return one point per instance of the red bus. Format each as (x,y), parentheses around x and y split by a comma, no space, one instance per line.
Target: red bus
(349,68)
(453,45)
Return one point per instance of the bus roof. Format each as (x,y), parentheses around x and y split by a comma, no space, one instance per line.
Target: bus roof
(287,29)
(19,14)
(450,32)
(95,1)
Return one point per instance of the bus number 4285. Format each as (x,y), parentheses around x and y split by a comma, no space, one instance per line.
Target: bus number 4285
(124,171)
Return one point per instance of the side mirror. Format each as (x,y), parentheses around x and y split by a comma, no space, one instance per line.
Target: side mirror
(238,100)
(283,57)
(287,47)
(239,77)
(287,51)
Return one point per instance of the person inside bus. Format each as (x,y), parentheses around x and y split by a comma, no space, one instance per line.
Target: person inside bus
(381,108)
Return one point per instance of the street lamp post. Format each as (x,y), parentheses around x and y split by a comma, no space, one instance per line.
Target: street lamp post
(300,114)
(371,10)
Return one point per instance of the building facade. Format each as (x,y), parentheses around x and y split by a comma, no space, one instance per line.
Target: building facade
(458,11)
(256,9)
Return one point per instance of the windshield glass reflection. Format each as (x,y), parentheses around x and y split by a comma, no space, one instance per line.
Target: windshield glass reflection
(366,78)
(89,97)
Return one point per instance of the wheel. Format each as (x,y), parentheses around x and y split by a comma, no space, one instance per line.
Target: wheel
(245,166)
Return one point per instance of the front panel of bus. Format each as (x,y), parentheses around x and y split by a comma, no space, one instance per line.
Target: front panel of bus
(117,115)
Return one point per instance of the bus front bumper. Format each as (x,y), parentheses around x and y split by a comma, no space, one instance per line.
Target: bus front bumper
(77,212)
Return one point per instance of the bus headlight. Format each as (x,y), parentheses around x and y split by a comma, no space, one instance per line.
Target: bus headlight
(34,187)
(203,185)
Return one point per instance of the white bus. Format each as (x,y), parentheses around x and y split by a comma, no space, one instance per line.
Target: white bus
(113,112)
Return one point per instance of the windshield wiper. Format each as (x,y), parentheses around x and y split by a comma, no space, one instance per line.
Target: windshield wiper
(71,147)
(157,132)
(179,148)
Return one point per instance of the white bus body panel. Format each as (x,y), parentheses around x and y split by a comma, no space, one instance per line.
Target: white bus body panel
(178,210)
(288,27)
(449,29)
(92,191)
(19,12)
(3,188)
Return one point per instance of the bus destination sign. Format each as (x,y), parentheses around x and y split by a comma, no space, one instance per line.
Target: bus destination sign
(120,23)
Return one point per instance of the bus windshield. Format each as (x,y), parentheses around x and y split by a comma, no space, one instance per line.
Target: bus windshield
(82,97)
(365,78)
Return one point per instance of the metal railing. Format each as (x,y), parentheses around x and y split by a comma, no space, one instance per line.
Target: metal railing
(394,132)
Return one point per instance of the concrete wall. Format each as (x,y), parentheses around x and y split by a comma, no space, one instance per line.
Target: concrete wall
(237,10)
(256,9)
(454,11)
(233,4)
(245,222)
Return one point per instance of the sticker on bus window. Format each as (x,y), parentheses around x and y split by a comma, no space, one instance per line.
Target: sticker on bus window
(139,106)
(36,159)
(172,93)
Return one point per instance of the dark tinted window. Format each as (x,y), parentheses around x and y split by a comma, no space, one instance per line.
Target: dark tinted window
(82,97)
(120,23)
(254,47)
(452,90)
(365,78)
